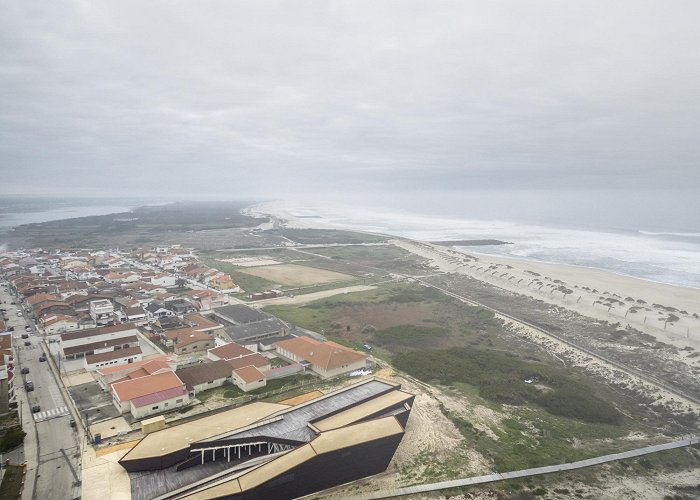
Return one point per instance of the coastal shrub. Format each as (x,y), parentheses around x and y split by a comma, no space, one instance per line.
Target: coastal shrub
(409,335)
(505,378)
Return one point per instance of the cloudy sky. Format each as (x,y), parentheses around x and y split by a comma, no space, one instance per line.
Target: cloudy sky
(264,98)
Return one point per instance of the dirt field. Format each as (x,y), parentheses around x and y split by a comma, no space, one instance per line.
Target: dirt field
(293,275)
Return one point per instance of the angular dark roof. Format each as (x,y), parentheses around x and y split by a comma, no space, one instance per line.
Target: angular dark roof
(204,372)
(239,314)
(253,330)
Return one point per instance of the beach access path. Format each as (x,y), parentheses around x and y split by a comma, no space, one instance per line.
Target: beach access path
(500,476)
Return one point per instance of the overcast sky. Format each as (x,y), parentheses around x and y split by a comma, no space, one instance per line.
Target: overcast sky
(263,98)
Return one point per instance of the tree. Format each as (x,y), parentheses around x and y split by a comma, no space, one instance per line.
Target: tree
(181,282)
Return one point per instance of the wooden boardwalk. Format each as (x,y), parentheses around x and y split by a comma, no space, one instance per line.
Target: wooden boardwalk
(489,478)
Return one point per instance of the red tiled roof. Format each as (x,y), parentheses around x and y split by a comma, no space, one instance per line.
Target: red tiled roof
(201,323)
(143,386)
(230,351)
(157,397)
(41,297)
(249,374)
(326,355)
(159,362)
(254,359)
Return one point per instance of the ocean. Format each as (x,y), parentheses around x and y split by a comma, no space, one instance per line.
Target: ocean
(645,241)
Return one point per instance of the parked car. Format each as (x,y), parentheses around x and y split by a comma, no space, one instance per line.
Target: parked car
(25,370)
(27,343)
(19,313)
(28,328)
(25,335)
(42,358)
(36,409)
(29,386)
(367,347)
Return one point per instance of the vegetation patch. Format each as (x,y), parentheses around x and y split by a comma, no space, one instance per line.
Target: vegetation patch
(410,336)
(11,482)
(11,438)
(504,378)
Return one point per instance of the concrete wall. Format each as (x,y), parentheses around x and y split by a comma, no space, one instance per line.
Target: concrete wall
(200,346)
(159,407)
(113,362)
(339,371)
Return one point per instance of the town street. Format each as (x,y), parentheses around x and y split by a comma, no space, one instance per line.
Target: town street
(54,466)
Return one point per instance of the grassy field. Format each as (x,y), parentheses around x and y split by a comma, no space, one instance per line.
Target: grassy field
(501,377)
(293,275)
(248,282)
(387,258)
(325,236)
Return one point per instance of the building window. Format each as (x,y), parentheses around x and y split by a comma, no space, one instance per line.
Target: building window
(154,408)
(179,401)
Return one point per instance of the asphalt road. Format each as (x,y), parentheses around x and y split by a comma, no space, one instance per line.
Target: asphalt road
(58,468)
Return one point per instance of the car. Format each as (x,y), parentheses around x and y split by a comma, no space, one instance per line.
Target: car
(367,347)
(27,343)
(19,313)
(28,328)
(36,409)
(25,370)
(42,358)
(25,335)
(29,386)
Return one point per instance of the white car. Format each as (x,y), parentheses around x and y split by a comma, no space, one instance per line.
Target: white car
(19,313)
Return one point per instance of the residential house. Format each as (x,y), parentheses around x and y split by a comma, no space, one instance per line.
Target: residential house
(228,351)
(157,310)
(248,378)
(58,323)
(108,375)
(187,340)
(327,359)
(203,376)
(151,394)
(116,356)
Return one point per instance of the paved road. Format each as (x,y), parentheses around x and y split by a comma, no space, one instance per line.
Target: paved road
(58,451)
(489,478)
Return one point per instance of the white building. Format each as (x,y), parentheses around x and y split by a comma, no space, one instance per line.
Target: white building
(102,311)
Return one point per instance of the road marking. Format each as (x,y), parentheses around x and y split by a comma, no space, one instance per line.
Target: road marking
(54,412)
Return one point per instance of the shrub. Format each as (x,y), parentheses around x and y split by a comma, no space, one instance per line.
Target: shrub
(12,438)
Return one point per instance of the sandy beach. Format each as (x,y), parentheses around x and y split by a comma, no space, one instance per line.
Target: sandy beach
(667,312)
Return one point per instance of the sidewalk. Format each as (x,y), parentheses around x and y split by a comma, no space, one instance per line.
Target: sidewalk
(29,451)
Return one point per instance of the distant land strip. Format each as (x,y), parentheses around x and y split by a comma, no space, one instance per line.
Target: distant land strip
(470,243)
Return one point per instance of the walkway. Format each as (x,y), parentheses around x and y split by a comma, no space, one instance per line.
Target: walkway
(489,478)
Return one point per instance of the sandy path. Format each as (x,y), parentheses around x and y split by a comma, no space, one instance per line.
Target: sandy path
(310,297)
